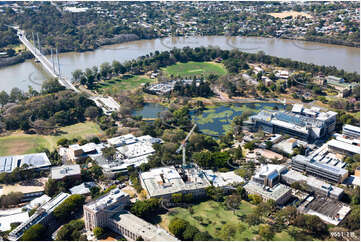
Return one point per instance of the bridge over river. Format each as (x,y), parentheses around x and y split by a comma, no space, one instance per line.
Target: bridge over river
(108,104)
(48,65)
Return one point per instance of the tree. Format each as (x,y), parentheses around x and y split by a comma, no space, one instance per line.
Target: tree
(10,52)
(352,221)
(190,232)
(77,75)
(72,204)
(109,153)
(105,70)
(4,98)
(255,199)
(13,198)
(227,231)
(266,232)
(117,67)
(53,187)
(91,112)
(202,236)
(34,233)
(70,231)
(177,227)
(145,208)
(98,232)
(51,86)
(253,219)
(215,193)
(16,95)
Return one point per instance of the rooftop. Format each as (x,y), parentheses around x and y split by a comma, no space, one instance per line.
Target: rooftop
(83,188)
(39,215)
(313,182)
(36,160)
(274,193)
(167,180)
(222,179)
(344,146)
(60,172)
(107,200)
(146,230)
(352,128)
(324,166)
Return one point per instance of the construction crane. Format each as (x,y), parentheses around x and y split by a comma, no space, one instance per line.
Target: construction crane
(183,145)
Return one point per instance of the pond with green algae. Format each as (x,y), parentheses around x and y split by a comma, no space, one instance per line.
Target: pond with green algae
(214,120)
(217,120)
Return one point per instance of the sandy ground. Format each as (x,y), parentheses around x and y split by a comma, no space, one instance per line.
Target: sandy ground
(290,13)
(268,154)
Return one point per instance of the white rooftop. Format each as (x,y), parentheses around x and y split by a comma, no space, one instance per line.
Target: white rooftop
(60,172)
(36,160)
(222,179)
(146,230)
(167,180)
(344,146)
(83,188)
(352,128)
(109,199)
(274,193)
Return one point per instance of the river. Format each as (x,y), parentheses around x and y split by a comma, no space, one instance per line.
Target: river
(30,73)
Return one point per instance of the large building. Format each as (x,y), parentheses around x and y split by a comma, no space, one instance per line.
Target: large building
(319,168)
(66,171)
(223,180)
(131,151)
(108,211)
(315,185)
(341,147)
(133,228)
(340,85)
(278,193)
(305,124)
(351,131)
(265,183)
(32,161)
(96,213)
(164,181)
(79,152)
(42,215)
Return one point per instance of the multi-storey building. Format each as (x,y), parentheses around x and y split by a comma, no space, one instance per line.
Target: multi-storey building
(164,181)
(313,184)
(351,131)
(96,213)
(43,215)
(323,170)
(305,124)
(265,183)
(108,211)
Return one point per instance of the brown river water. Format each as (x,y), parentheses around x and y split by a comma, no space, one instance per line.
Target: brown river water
(30,73)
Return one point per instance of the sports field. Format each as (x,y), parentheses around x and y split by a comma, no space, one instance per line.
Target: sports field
(211,216)
(20,143)
(116,84)
(195,69)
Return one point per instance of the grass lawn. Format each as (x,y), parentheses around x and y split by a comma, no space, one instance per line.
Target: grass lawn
(211,216)
(20,143)
(195,69)
(115,84)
